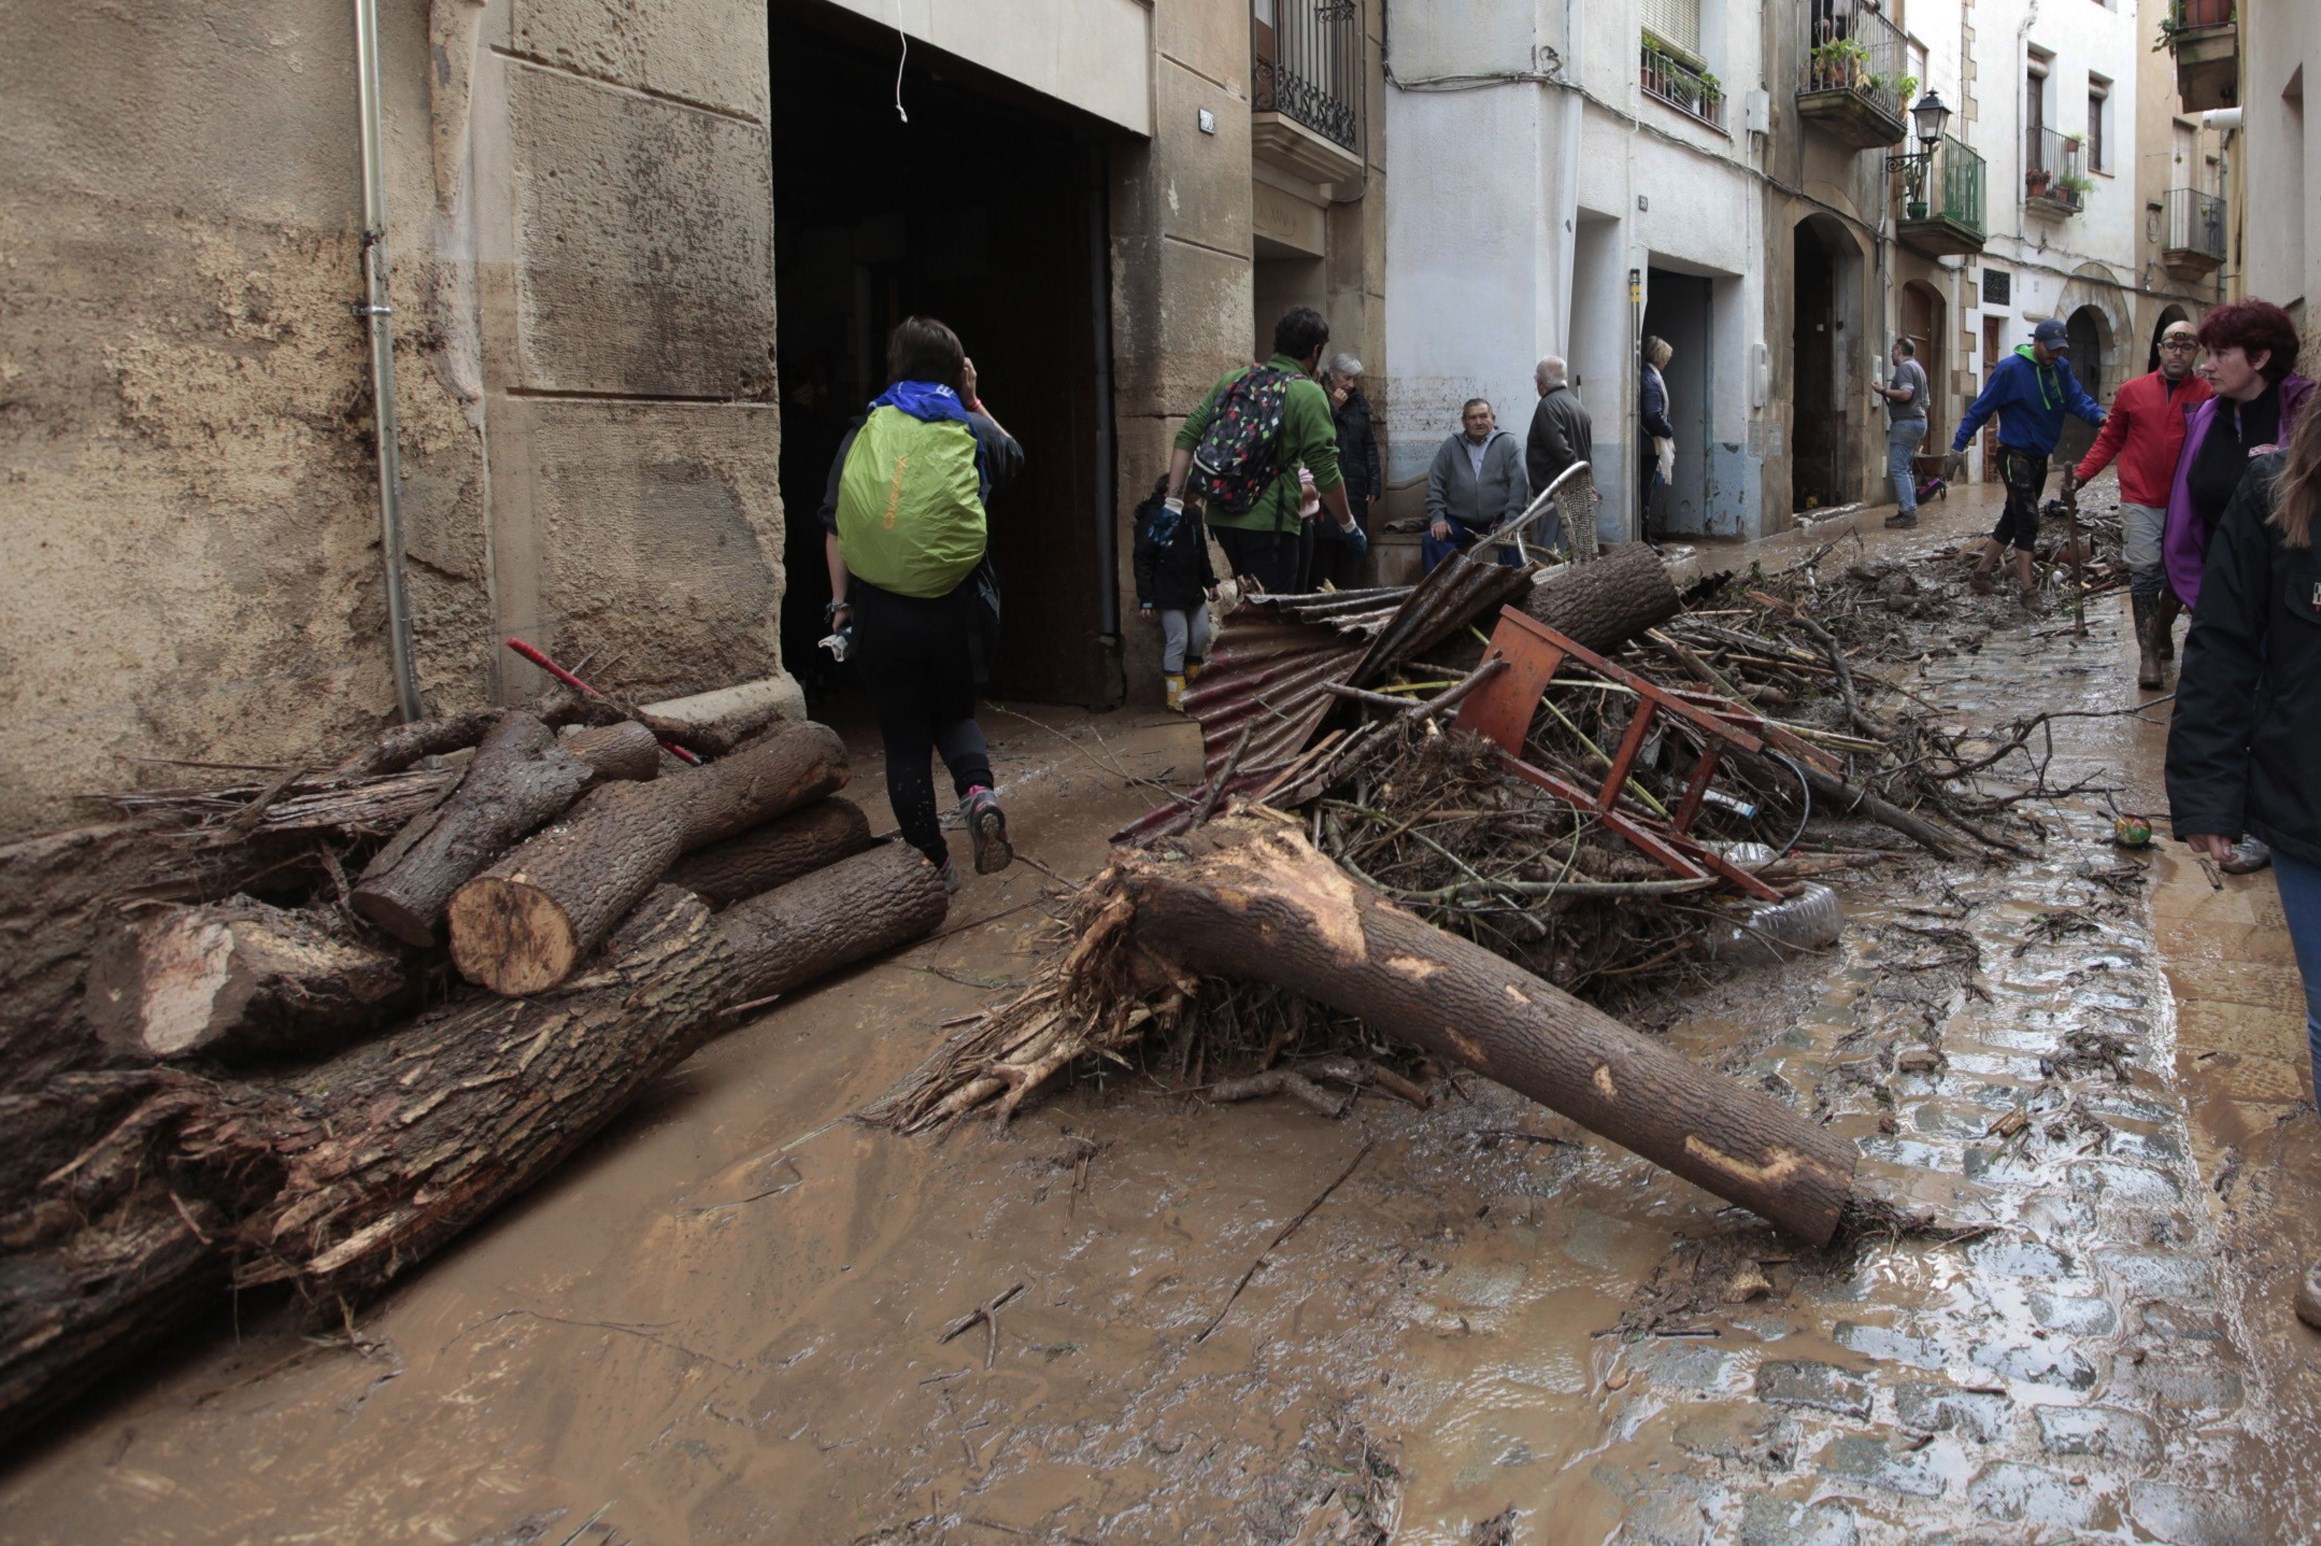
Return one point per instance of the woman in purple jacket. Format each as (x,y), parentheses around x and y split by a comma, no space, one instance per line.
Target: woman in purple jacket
(2249,358)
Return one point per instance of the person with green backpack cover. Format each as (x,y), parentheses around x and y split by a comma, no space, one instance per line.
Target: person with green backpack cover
(904,535)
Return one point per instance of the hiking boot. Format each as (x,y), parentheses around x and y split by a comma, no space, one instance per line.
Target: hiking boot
(2248,856)
(1983,582)
(2309,1297)
(987,829)
(1194,666)
(1902,520)
(1176,693)
(949,876)
(2028,598)
(2147,614)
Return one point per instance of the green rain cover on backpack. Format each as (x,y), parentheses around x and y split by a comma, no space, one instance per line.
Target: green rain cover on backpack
(910,506)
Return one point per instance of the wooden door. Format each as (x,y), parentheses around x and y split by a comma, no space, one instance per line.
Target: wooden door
(1994,338)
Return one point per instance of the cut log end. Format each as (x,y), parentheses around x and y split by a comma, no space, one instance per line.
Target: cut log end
(511,937)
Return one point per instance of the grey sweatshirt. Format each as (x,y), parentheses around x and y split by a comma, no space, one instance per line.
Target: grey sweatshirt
(1452,489)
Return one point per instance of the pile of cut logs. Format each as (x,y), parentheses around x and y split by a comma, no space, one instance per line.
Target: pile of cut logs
(301,1085)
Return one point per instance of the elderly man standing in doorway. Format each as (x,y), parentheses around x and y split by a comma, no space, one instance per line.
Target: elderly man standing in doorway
(1561,435)
(1476,485)
(2146,432)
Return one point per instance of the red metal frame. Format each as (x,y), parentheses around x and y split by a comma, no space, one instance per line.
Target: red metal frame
(1501,710)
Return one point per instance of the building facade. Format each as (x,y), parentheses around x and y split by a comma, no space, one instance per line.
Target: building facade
(596,210)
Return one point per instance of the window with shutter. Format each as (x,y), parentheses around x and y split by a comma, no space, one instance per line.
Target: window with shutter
(1674,22)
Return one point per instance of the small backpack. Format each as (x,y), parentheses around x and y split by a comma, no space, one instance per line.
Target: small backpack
(1235,460)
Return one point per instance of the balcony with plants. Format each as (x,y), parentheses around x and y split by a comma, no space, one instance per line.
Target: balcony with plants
(1671,77)
(2055,180)
(1943,194)
(2204,38)
(1854,81)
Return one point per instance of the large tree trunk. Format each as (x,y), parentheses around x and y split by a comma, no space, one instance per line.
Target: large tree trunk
(349,1175)
(521,776)
(1608,602)
(525,924)
(852,910)
(1256,902)
(773,854)
(239,979)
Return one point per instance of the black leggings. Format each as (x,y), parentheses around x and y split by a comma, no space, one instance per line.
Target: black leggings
(2025,476)
(914,660)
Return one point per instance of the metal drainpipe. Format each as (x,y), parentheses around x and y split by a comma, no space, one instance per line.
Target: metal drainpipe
(375,309)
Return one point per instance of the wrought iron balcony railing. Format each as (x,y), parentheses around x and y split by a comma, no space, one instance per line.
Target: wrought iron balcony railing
(2195,224)
(1306,64)
(1688,90)
(2054,173)
(1860,52)
(1951,186)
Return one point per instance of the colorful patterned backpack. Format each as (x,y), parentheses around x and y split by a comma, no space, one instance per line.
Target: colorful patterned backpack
(1235,460)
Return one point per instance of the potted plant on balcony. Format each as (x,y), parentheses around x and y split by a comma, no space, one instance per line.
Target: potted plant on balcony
(1839,65)
(2035,181)
(2075,188)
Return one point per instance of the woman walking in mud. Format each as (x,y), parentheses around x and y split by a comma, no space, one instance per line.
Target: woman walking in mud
(904,517)
(2244,751)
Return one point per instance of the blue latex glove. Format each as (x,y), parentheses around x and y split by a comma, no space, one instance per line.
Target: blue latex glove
(1357,541)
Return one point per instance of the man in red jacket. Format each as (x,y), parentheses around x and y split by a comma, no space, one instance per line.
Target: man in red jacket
(2146,432)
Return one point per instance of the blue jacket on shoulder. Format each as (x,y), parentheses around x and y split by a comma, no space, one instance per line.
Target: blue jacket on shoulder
(2030,400)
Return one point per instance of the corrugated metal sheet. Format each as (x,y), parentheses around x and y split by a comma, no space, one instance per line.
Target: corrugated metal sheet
(1273,662)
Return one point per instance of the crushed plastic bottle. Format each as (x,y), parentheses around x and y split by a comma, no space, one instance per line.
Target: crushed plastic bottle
(1775,931)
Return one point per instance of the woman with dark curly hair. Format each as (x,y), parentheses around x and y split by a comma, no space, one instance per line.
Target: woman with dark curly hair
(2249,355)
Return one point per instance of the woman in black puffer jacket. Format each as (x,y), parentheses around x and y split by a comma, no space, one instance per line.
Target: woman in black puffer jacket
(2244,751)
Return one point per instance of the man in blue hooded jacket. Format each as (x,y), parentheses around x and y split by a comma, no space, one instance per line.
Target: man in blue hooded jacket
(2031,391)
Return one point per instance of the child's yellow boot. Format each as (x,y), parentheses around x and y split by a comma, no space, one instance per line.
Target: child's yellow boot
(1176,685)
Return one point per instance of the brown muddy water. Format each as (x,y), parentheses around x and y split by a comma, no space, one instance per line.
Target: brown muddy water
(725,1321)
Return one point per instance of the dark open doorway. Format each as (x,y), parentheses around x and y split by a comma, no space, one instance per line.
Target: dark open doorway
(2091,364)
(987,212)
(1677,310)
(1818,425)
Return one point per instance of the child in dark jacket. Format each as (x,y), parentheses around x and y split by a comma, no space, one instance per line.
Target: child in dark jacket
(1174,578)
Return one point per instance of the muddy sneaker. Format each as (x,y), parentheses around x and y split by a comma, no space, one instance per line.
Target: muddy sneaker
(2248,856)
(1982,583)
(2028,598)
(949,875)
(2309,1297)
(1902,520)
(987,828)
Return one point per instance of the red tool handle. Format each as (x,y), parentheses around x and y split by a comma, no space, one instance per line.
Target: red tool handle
(577,685)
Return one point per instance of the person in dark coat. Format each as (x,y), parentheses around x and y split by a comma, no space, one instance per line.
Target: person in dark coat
(2244,747)
(1335,560)
(1175,582)
(1561,435)
(1656,446)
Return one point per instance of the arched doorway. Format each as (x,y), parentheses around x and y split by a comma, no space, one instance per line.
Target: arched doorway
(2092,363)
(2170,315)
(1922,314)
(1825,402)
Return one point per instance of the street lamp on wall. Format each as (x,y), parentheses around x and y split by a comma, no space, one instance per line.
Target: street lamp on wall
(1931,117)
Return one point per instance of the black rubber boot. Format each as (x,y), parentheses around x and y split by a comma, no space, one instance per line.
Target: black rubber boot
(2147,615)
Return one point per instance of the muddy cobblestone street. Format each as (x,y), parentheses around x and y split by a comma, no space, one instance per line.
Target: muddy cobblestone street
(725,1321)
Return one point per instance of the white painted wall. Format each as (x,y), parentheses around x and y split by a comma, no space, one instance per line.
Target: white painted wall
(1496,164)
(2279,151)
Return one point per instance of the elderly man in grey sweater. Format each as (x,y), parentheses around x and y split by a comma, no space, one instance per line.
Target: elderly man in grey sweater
(1475,486)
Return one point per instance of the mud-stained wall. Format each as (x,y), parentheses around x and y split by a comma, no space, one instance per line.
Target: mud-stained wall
(580,213)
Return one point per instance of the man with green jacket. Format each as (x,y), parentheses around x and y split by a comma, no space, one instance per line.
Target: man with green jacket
(1263,542)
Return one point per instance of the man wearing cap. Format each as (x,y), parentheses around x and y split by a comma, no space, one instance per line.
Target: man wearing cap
(2146,432)
(2031,391)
